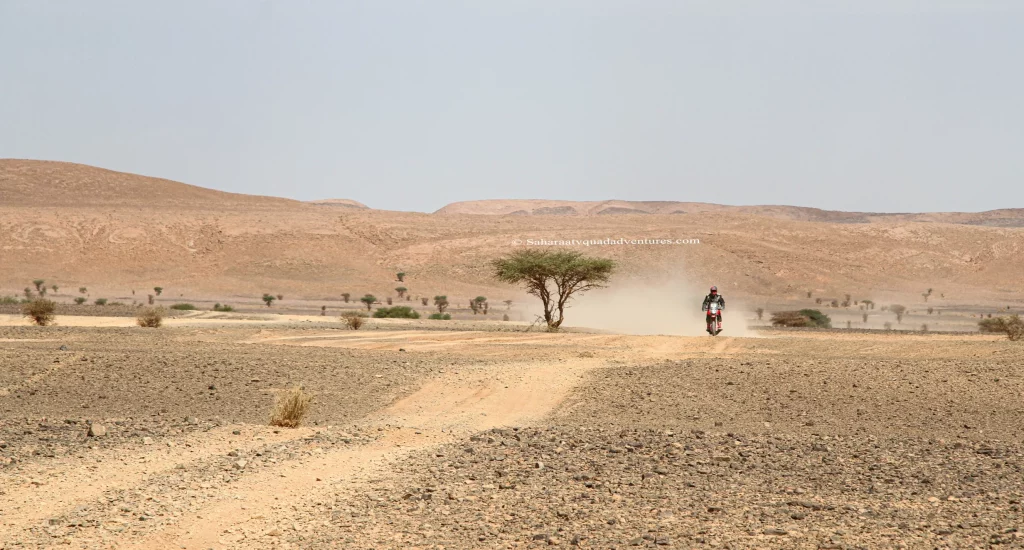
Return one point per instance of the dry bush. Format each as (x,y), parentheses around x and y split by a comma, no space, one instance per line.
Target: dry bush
(290,408)
(789,319)
(1012,326)
(353,320)
(40,311)
(151,317)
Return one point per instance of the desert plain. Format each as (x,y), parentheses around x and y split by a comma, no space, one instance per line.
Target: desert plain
(480,432)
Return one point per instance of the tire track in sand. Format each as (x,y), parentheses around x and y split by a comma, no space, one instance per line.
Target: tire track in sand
(37,492)
(444,410)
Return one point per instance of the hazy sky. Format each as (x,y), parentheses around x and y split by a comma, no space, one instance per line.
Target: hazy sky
(895,105)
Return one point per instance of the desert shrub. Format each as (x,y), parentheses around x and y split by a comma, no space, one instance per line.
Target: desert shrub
(151,317)
(158,290)
(424,300)
(397,312)
(354,320)
(401,276)
(8,300)
(818,318)
(80,300)
(290,408)
(931,310)
(28,293)
(887,325)
(899,311)
(834,303)
(224,307)
(864,317)
(323,311)
(389,300)
(1012,326)
(54,288)
(924,327)
(39,284)
(280,297)
(760,313)
(82,290)
(817,301)
(504,317)
(345,296)
(100,301)
(183,307)
(40,311)
(802,318)
(269,299)
(440,317)
(116,304)
(789,319)
(808,293)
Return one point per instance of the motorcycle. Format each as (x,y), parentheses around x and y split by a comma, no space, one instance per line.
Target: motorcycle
(714,319)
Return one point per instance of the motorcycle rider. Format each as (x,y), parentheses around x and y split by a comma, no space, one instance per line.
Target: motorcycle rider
(717,298)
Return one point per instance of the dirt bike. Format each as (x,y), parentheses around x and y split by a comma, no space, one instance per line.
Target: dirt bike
(714,319)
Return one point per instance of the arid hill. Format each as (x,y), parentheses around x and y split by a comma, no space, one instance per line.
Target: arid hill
(77,225)
(1007,217)
(33,183)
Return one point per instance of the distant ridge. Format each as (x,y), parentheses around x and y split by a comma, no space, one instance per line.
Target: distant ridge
(1007,217)
(345,203)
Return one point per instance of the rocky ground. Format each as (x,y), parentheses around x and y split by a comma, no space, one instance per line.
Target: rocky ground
(427,439)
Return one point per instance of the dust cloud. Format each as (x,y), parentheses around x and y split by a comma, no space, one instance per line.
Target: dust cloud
(669,309)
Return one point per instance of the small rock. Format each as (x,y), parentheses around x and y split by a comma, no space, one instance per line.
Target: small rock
(97,430)
(775,532)
(192,420)
(147,440)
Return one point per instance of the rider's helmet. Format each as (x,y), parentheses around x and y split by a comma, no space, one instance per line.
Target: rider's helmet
(714,290)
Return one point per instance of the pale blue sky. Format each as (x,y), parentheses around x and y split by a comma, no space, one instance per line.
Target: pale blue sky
(898,105)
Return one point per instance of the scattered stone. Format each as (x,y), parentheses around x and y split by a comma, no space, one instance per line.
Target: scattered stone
(97,430)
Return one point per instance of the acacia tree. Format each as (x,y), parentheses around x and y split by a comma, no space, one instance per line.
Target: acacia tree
(269,299)
(899,311)
(345,296)
(401,291)
(368,299)
(159,290)
(554,277)
(401,276)
(441,302)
